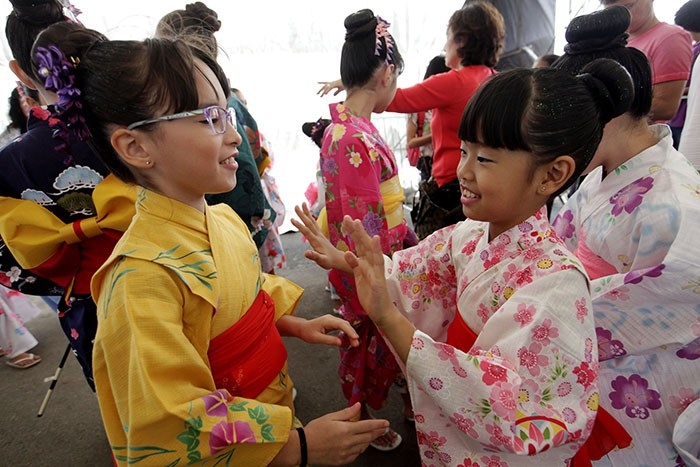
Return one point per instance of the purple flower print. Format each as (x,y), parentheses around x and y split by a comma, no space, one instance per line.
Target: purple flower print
(634,396)
(690,351)
(630,196)
(635,277)
(372,223)
(607,346)
(226,434)
(563,225)
(216,403)
(330,165)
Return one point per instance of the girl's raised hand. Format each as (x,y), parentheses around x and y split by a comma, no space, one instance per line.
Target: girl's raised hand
(367,265)
(328,86)
(324,253)
(315,331)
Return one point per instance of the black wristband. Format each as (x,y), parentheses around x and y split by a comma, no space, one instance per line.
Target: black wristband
(302,446)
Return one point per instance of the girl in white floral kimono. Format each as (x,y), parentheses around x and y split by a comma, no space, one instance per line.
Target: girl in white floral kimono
(633,224)
(492,317)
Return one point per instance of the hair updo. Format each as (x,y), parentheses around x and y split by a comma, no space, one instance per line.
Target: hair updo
(550,113)
(27,19)
(197,22)
(480,31)
(362,55)
(688,16)
(602,34)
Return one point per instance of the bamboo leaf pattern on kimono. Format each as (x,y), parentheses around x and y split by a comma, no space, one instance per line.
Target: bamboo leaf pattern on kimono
(135,454)
(114,277)
(193,269)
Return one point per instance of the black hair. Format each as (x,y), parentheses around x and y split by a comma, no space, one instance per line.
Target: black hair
(314,130)
(122,82)
(196,20)
(550,113)
(602,34)
(688,16)
(358,60)
(27,19)
(480,30)
(548,59)
(436,66)
(17,118)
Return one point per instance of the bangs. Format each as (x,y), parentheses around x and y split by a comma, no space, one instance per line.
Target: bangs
(494,115)
(173,86)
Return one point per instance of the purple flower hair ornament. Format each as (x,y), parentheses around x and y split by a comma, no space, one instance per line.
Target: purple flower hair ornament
(59,77)
(382,35)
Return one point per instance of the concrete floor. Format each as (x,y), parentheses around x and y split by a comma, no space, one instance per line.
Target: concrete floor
(70,432)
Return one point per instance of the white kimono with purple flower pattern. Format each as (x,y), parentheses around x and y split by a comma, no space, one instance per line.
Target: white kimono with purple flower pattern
(529,384)
(636,232)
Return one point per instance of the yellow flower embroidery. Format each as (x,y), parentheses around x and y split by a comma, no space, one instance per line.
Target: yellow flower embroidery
(338,132)
(342,246)
(373,154)
(355,158)
(544,263)
(592,402)
(415,289)
(508,292)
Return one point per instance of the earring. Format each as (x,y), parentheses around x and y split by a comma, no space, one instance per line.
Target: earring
(148,162)
(543,188)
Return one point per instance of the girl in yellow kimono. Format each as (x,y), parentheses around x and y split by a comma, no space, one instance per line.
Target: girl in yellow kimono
(189,364)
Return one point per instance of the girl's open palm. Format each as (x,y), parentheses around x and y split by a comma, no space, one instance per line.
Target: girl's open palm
(368,267)
(324,253)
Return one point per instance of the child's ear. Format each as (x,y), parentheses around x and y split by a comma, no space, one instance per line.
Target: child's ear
(130,147)
(21,75)
(556,174)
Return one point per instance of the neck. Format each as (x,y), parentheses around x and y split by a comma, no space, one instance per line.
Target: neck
(361,102)
(648,24)
(630,137)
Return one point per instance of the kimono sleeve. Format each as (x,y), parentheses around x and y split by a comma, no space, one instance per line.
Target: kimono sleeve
(422,283)
(284,292)
(155,389)
(529,384)
(351,172)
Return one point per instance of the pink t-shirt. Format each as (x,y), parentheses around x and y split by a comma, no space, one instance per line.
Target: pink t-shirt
(669,50)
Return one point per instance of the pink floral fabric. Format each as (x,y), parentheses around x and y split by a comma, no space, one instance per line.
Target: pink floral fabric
(642,220)
(526,393)
(355,160)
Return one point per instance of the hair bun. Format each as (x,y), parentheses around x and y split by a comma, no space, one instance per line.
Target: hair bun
(38,12)
(600,30)
(611,86)
(360,24)
(208,17)
(314,130)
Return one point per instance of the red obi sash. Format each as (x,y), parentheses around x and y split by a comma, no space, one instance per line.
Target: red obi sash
(607,433)
(246,357)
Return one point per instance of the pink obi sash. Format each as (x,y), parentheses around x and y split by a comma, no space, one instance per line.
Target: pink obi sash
(594,265)
(248,356)
(607,433)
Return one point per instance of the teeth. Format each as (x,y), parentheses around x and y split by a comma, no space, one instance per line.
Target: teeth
(228,161)
(469,194)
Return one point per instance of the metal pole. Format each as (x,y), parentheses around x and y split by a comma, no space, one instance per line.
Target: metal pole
(54,380)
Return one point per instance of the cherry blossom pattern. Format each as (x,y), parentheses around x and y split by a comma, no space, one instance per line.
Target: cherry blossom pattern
(564,224)
(690,351)
(607,346)
(631,196)
(634,396)
(685,397)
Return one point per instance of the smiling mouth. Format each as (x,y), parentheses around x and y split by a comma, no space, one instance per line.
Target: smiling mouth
(468,194)
(229,161)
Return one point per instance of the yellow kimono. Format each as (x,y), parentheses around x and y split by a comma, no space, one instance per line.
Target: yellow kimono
(177,279)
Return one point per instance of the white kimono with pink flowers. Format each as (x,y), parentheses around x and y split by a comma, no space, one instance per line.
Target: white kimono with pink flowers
(637,233)
(529,384)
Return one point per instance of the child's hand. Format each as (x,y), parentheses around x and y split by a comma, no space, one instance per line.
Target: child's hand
(328,86)
(368,267)
(315,331)
(324,253)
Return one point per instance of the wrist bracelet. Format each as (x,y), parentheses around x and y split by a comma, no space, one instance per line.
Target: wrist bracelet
(302,446)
